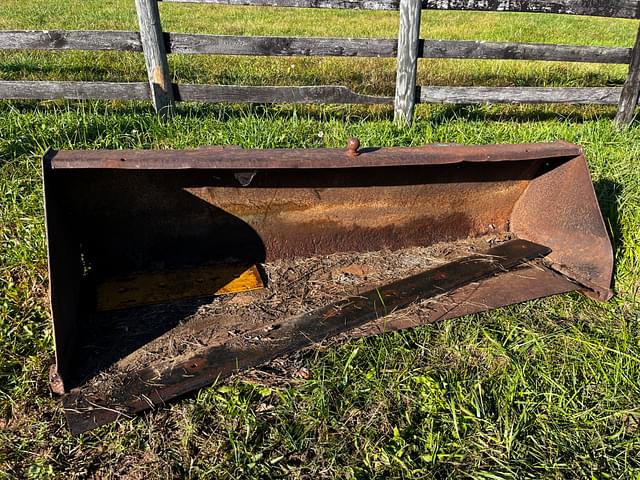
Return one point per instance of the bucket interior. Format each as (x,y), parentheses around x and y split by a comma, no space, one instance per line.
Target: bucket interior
(139,256)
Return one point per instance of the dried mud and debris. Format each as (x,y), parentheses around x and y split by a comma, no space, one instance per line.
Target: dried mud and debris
(159,336)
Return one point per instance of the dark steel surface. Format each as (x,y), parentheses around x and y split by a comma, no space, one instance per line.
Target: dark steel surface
(65,276)
(149,387)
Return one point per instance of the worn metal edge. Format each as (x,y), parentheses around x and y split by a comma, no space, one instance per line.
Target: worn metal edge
(266,159)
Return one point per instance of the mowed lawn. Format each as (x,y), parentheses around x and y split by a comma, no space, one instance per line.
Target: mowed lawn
(546,389)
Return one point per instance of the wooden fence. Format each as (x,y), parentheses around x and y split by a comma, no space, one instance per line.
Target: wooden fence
(408,48)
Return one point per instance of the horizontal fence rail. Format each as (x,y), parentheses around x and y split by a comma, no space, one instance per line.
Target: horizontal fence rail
(330,94)
(309,46)
(45,90)
(598,8)
(530,95)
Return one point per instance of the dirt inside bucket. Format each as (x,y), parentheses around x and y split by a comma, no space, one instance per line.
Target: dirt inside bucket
(117,344)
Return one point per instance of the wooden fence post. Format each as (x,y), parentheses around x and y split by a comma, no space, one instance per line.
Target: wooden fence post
(155,56)
(407,64)
(631,89)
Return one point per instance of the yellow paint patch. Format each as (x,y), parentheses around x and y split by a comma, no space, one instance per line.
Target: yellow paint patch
(248,280)
(160,287)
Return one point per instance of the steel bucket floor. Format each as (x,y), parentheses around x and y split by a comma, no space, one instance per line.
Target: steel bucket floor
(141,357)
(124,340)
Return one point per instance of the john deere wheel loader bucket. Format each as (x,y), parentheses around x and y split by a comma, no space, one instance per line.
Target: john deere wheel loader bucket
(147,247)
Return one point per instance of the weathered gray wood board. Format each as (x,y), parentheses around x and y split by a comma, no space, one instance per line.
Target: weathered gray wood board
(45,90)
(604,8)
(350,4)
(308,46)
(471,95)
(631,90)
(282,46)
(250,94)
(70,40)
(407,63)
(155,55)
(522,51)
(382,47)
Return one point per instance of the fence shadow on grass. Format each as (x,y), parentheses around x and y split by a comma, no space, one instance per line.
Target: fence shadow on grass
(17,70)
(519,113)
(432,113)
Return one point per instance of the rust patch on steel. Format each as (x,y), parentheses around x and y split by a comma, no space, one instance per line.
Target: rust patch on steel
(560,209)
(313,221)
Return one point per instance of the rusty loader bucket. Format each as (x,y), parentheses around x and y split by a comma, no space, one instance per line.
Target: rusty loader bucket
(170,270)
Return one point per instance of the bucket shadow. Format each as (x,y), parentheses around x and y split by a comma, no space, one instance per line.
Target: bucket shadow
(609,194)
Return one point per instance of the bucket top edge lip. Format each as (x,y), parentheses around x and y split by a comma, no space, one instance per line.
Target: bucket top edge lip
(301,158)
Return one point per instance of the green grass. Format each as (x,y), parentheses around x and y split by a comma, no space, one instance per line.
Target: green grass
(547,389)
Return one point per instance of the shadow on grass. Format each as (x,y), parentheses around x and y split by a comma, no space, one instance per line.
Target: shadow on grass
(609,193)
(524,114)
(434,114)
(15,70)
(559,77)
